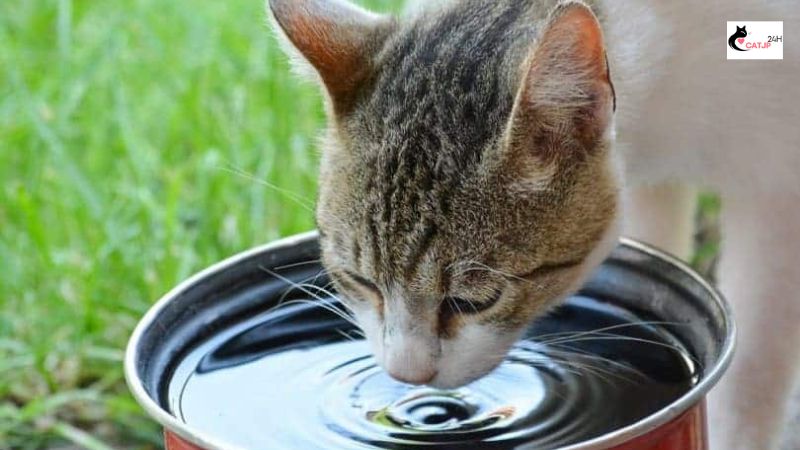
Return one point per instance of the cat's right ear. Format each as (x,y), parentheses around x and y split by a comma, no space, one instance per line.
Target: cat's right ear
(338,39)
(565,103)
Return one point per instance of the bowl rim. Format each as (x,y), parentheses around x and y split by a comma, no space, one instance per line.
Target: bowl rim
(650,423)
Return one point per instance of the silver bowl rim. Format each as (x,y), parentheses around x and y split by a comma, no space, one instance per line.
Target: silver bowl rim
(650,423)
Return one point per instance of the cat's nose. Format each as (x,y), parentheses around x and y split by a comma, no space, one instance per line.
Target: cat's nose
(413,377)
(409,352)
(410,362)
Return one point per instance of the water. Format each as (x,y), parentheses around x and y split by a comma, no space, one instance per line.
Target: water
(291,380)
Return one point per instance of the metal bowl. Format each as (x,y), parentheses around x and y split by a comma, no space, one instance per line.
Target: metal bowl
(635,276)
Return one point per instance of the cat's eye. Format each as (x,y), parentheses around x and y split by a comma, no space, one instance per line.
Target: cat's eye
(354,283)
(460,305)
(363,282)
(550,269)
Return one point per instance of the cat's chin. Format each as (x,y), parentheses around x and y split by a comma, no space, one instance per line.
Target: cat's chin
(477,352)
(453,377)
(454,381)
(445,383)
(463,367)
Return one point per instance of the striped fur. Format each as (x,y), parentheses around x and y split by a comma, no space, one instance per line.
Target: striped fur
(470,161)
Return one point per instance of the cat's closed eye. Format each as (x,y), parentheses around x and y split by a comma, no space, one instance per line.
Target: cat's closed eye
(461,305)
(552,269)
(357,283)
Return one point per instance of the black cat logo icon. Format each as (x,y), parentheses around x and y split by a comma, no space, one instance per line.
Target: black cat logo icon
(739,36)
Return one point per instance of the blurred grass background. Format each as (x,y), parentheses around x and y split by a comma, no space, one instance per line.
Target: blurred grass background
(140,141)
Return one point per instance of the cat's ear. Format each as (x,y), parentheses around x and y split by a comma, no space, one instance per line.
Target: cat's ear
(566,101)
(337,39)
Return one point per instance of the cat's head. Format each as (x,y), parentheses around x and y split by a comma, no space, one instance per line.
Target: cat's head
(467,182)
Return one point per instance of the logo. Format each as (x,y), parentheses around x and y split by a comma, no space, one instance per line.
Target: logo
(755,40)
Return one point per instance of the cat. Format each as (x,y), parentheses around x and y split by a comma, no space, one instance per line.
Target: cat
(483,156)
(741,32)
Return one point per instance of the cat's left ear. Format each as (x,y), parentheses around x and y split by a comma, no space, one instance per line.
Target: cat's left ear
(338,39)
(566,96)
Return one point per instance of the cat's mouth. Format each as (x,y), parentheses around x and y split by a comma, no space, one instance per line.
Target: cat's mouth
(443,384)
(444,375)
(418,379)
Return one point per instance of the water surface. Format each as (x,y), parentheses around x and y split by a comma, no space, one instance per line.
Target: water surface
(293,379)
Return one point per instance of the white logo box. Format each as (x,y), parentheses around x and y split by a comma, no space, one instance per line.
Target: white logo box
(764,40)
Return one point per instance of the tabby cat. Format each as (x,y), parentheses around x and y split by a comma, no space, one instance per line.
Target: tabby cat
(482,157)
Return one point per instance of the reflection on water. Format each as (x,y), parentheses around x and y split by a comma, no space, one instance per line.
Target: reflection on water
(290,380)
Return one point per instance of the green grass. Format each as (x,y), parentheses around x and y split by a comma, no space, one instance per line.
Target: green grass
(133,135)
(133,138)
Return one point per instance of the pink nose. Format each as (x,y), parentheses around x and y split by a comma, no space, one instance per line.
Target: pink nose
(418,377)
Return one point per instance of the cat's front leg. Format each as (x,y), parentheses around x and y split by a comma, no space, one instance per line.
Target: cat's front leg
(663,216)
(760,275)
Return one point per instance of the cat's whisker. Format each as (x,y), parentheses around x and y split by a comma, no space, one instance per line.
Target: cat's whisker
(454,305)
(483,267)
(344,316)
(594,357)
(358,332)
(328,307)
(291,285)
(604,374)
(328,290)
(297,199)
(471,304)
(595,335)
(612,337)
(544,355)
(349,335)
(290,282)
(486,268)
(345,335)
(298,264)
(329,285)
(320,301)
(579,369)
(321,272)
(585,366)
(608,328)
(328,293)
(310,302)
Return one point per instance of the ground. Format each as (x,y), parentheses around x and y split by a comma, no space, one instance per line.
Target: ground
(140,141)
